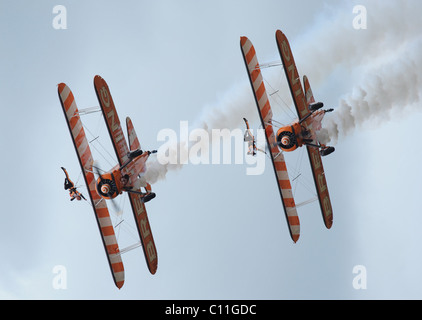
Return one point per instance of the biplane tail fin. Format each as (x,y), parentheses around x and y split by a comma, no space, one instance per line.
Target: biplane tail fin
(132,137)
(265,115)
(83,152)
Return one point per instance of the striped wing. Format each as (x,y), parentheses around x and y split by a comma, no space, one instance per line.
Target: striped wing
(277,157)
(301,102)
(122,150)
(98,204)
(139,210)
(292,75)
(318,169)
(112,120)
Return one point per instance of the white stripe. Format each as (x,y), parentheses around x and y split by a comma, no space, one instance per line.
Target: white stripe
(287,194)
(65,93)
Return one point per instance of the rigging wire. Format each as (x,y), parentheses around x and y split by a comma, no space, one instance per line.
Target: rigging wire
(296,168)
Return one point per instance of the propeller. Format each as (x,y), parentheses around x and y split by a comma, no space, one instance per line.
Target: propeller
(106,187)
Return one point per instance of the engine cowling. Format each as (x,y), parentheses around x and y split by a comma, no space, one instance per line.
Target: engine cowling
(107,187)
(286,138)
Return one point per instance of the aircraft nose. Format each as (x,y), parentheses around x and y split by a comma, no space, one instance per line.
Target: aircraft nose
(105,188)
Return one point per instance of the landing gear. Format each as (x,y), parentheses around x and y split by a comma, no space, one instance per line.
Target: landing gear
(133,154)
(327,151)
(147,197)
(315,106)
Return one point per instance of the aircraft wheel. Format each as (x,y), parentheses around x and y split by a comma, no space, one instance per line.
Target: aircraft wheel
(327,151)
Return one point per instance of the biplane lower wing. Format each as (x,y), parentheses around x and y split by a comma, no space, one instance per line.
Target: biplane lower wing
(318,169)
(121,148)
(98,204)
(277,158)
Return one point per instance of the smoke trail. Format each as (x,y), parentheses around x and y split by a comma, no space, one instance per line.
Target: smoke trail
(383,61)
(392,87)
(227,113)
(386,56)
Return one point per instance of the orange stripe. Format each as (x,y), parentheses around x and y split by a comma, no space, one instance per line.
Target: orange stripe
(254,75)
(69,100)
(280,166)
(107,231)
(61,87)
(86,155)
(250,55)
(80,137)
(117,267)
(90,177)
(260,91)
(102,212)
(269,130)
(294,220)
(284,184)
(119,284)
(265,109)
(289,203)
(73,122)
(113,249)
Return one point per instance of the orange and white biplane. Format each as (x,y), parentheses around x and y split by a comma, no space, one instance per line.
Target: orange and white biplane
(126,176)
(301,132)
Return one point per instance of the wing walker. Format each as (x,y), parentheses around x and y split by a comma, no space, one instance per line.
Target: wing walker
(301,132)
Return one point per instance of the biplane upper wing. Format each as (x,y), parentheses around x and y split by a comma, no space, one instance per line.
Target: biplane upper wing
(98,204)
(277,158)
(318,169)
(122,150)
(292,75)
(301,103)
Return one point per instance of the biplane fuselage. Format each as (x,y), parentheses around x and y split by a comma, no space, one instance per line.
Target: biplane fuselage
(112,183)
(299,133)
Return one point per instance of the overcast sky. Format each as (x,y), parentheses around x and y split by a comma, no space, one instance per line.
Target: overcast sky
(220,233)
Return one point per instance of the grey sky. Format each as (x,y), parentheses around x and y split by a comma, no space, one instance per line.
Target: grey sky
(220,234)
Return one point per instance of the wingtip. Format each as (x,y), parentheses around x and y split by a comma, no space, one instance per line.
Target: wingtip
(60,86)
(119,284)
(243,40)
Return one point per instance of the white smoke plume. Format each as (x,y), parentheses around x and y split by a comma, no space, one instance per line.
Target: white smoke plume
(227,113)
(387,58)
(384,61)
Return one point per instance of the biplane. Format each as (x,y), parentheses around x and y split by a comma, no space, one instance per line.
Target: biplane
(301,132)
(124,177)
